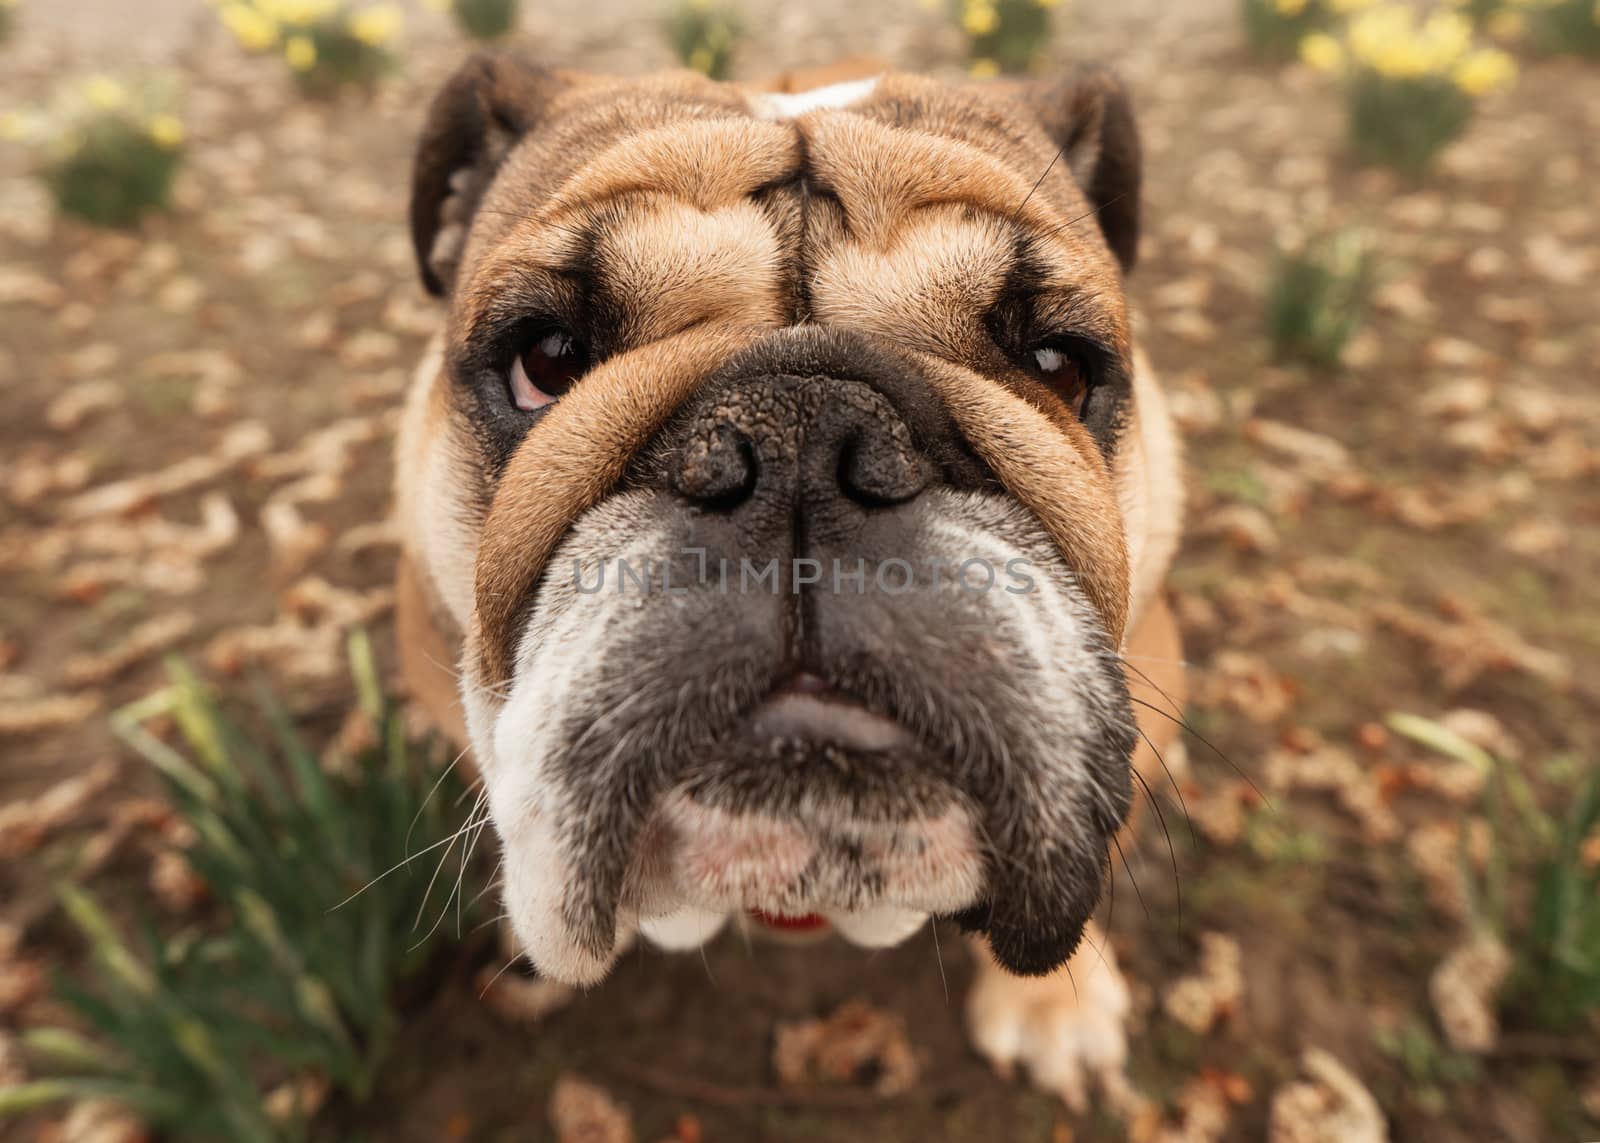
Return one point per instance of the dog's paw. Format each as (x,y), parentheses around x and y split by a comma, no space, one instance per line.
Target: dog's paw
(1068,1029)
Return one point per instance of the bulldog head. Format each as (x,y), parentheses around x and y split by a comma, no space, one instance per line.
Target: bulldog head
(778,476)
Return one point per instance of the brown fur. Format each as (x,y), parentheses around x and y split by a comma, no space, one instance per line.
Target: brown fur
(592,435)
(906,229)
(924,251)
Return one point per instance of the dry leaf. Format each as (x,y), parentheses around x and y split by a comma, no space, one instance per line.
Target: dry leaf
(581,1112)
(1199,1001)
(857,1043)
(1464,989)
(1331,1106)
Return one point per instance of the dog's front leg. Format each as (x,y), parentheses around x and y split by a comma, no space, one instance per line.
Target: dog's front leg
(1068,1029)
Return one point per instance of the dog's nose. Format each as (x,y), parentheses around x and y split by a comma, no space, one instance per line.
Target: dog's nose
(797,440)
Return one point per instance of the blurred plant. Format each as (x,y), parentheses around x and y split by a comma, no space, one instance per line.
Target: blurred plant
(704,36)
(1556,941)
(1562,25)
(1480,12)
(1319,293)
(1276,27)
(1004,36)
(1430,1066)
(108,150)
(481,19)
(326,43)
(8,19)
(314,935)
(1410,85)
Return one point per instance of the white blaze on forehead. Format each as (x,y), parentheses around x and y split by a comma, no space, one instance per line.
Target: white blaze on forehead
(792,105)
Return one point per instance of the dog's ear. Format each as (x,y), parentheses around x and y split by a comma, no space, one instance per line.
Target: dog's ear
(1090,117)
(488,104)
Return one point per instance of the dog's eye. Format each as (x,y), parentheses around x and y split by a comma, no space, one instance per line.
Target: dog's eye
(1064,373)
(546,368)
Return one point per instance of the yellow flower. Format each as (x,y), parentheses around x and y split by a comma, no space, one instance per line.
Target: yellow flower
(1388,40)
(104,93)
(1048,4)
(437,5)
(701,59)
(377,25)
(1375,32)
(165,131)
(1322,52)
(300,53)
(1345,7)
(1445,37)
(980,18)
(253,30)
(1485,70)
(13,125)
(984,69)
(1289,7)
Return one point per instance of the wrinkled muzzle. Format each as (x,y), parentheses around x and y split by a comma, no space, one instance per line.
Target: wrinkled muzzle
(796,623)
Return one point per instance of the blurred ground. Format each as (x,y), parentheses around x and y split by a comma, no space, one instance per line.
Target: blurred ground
(196,457)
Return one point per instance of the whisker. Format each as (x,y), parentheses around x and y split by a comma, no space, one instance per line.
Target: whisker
(481,925)
(1056,158)
(1177,708)
(1177,789)
(1207,743)
(1111,901)
(444,911)
(1136,891)
(1124,656)
(455,673)
(1177,885)
(938,956)
(492,885)
(407,861)
(1100,952)
(1090,213)
(461,873)
(431,792)
(427,893)
(498,975)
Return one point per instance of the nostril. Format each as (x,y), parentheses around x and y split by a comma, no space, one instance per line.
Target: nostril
(718,470)
(876,471)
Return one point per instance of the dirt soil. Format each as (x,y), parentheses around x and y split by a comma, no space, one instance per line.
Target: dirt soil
(196,457)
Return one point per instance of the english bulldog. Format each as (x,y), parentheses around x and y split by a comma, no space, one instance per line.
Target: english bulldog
(785,511)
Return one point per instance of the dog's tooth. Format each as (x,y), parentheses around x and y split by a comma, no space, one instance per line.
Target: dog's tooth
(879,926)
(683,929)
